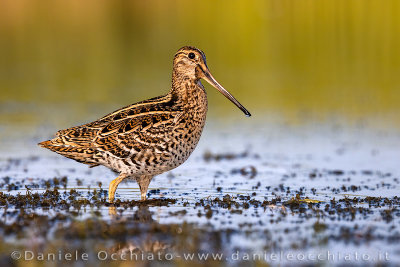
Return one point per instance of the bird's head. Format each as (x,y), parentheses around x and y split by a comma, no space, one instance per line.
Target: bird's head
(190,62)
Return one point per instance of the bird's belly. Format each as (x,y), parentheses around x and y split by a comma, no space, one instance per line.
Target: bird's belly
(183,148)
(174,149)
(177,151)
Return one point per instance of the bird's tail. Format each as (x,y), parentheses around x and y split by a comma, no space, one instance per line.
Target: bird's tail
(45,144)
(83,154)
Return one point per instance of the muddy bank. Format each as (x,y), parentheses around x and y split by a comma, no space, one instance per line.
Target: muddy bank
(291,192)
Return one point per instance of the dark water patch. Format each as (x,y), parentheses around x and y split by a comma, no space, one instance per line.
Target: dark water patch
(278,196)
(209,156)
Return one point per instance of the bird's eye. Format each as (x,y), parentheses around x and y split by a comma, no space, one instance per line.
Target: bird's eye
(192,55)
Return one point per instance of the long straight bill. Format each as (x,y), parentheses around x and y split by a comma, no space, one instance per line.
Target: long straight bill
(211,80)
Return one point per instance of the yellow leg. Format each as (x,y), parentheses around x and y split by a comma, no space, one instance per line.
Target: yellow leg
(143,182)
(112,211)
(113,186)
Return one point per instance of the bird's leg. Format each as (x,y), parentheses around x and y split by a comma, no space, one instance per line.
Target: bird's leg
(143,182)
(113,186)
(112,211)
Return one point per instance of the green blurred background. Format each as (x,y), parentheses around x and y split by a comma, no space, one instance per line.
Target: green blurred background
(300,59)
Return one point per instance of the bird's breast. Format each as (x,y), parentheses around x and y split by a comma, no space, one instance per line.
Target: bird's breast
(189,126)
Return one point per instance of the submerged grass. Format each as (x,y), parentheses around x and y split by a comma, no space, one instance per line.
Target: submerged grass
(58,219)
(286,192)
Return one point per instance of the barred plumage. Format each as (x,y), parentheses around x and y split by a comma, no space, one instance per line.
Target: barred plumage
(150,137)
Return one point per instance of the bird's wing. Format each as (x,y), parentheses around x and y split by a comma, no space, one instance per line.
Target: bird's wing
(134,127)
(134,133)
(88,132)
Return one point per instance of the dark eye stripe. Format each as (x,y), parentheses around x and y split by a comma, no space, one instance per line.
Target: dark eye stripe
(177,54)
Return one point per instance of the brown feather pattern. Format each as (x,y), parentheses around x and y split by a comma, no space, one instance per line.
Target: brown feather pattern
(146,138)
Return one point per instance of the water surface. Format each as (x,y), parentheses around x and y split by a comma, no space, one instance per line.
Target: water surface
(305,190)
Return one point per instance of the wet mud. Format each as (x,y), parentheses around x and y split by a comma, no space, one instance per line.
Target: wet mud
(247,201)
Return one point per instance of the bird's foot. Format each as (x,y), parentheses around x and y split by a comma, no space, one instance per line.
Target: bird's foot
(143,196)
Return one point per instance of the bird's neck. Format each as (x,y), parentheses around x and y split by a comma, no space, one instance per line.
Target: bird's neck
(187,90)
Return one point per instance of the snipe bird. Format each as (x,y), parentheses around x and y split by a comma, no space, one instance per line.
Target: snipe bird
(150,137)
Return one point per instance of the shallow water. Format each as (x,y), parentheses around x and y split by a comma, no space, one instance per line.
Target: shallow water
(311,194)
